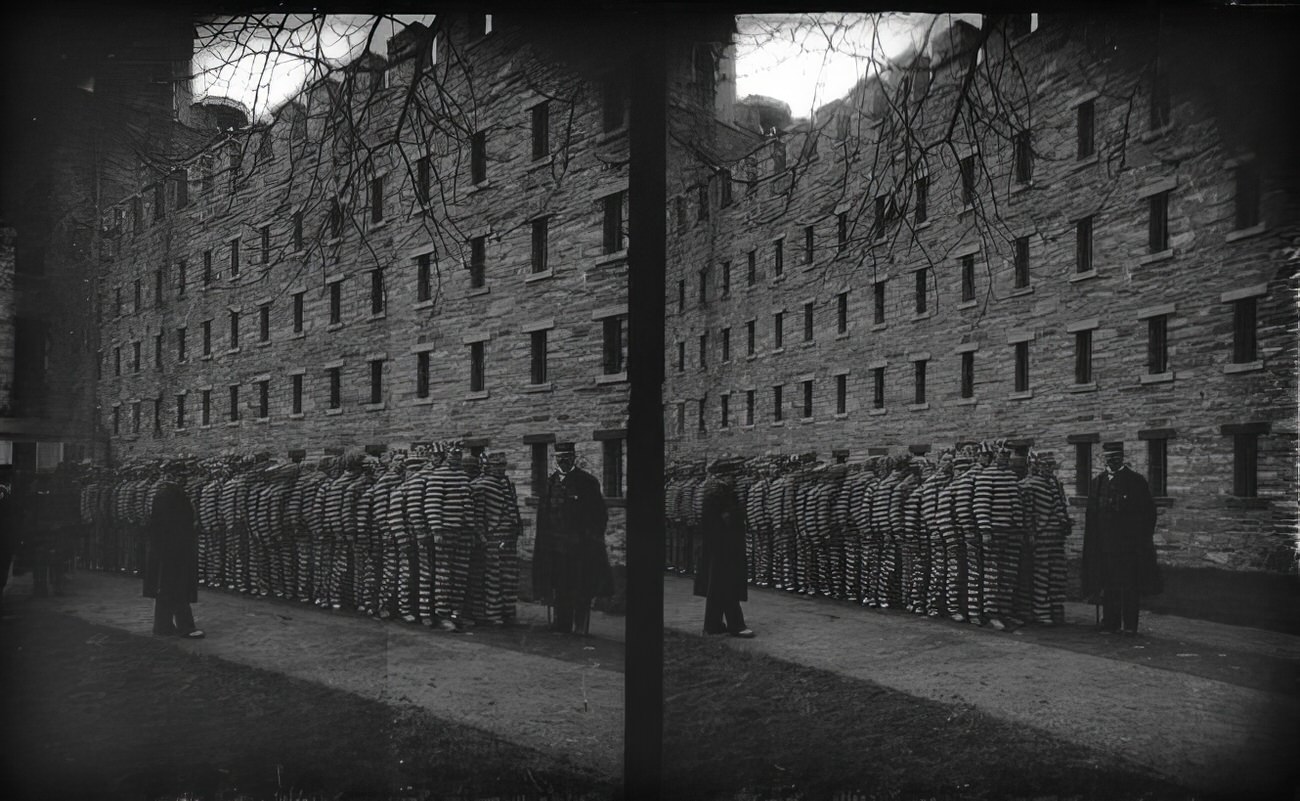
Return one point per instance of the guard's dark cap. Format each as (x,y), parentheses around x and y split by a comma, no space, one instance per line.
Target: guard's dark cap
(1108,448)
(564,447)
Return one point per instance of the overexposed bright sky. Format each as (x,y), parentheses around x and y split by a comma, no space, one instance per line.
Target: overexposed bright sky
(807,60)
(262,63)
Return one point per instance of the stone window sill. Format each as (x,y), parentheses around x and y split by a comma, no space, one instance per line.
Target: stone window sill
(532,389)
(805,420)
(334,240)
(925,315)
(778,424)
(295,415)
(1153,258)
(966,208)
(609,259)
(232,424)
(1083,276)
(609,136)
(877,412)
(1021,290)
(776,351)
(230,352)
(427,401)
(1026,395)
(383,315)
(965,402)
(1158,378)
(265,343)
(968,304)
(540,275)
(1087,161)
(751,357)
(486,183)
(205,426)
(1243,367)
(335,410)
(776,279)
(333,326)
(842,335)
(1245,233)
(479,395)
(1233,502)
(921,226)
(841,415)
(918,407)
(298,335)
(1091,386)
(808,343)
(1018,187)
(262,420)
(1155,133)
(478,290)
(612,378)
(879,326)
(181,430)
(376,226)
(537,164)
(424,304)
(374,407)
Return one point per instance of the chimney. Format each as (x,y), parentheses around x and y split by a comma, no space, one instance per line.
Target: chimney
(404,52)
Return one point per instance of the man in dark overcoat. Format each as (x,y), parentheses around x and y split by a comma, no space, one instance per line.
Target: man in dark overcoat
(171,575)
(721,575)
(1119,554)
(570,563)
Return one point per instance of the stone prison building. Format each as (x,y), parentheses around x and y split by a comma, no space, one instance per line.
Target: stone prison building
(1060,231)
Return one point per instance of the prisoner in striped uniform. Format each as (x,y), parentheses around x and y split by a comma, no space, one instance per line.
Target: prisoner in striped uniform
(878,561)
(858,492)
(759,529)
(1051,523)
(892,573)
(396,588)
(497,518)
(964,507)
(447,507)
(928,569)
(948,553)
(1000,514)
(373,517)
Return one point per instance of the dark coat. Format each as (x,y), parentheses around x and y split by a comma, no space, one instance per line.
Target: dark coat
(1118,539)
(722,570)
(171,568)
(569,556)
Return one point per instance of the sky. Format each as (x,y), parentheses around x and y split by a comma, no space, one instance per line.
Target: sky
(263,64)
(805,60)
(808,60)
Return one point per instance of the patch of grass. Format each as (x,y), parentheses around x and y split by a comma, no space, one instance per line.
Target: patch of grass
(94,713)
(739,724)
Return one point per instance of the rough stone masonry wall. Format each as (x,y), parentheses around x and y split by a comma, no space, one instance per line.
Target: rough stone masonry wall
(7,312)
(509,73)
(1201,524)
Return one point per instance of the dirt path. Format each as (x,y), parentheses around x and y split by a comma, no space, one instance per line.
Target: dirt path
(544,691)
(1205,732)
(1213,707)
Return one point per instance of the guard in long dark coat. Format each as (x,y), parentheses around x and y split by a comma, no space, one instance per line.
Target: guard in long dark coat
(171,575)
(1119,553)
(721,575)
(570,563)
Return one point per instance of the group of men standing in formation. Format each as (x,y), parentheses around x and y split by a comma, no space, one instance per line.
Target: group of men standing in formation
(426,536)
(947,536)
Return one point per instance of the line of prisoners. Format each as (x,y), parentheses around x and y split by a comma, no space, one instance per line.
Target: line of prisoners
(421,536)
(974,535)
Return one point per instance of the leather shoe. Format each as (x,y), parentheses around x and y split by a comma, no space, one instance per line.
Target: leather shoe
(747,634)
(197,634)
